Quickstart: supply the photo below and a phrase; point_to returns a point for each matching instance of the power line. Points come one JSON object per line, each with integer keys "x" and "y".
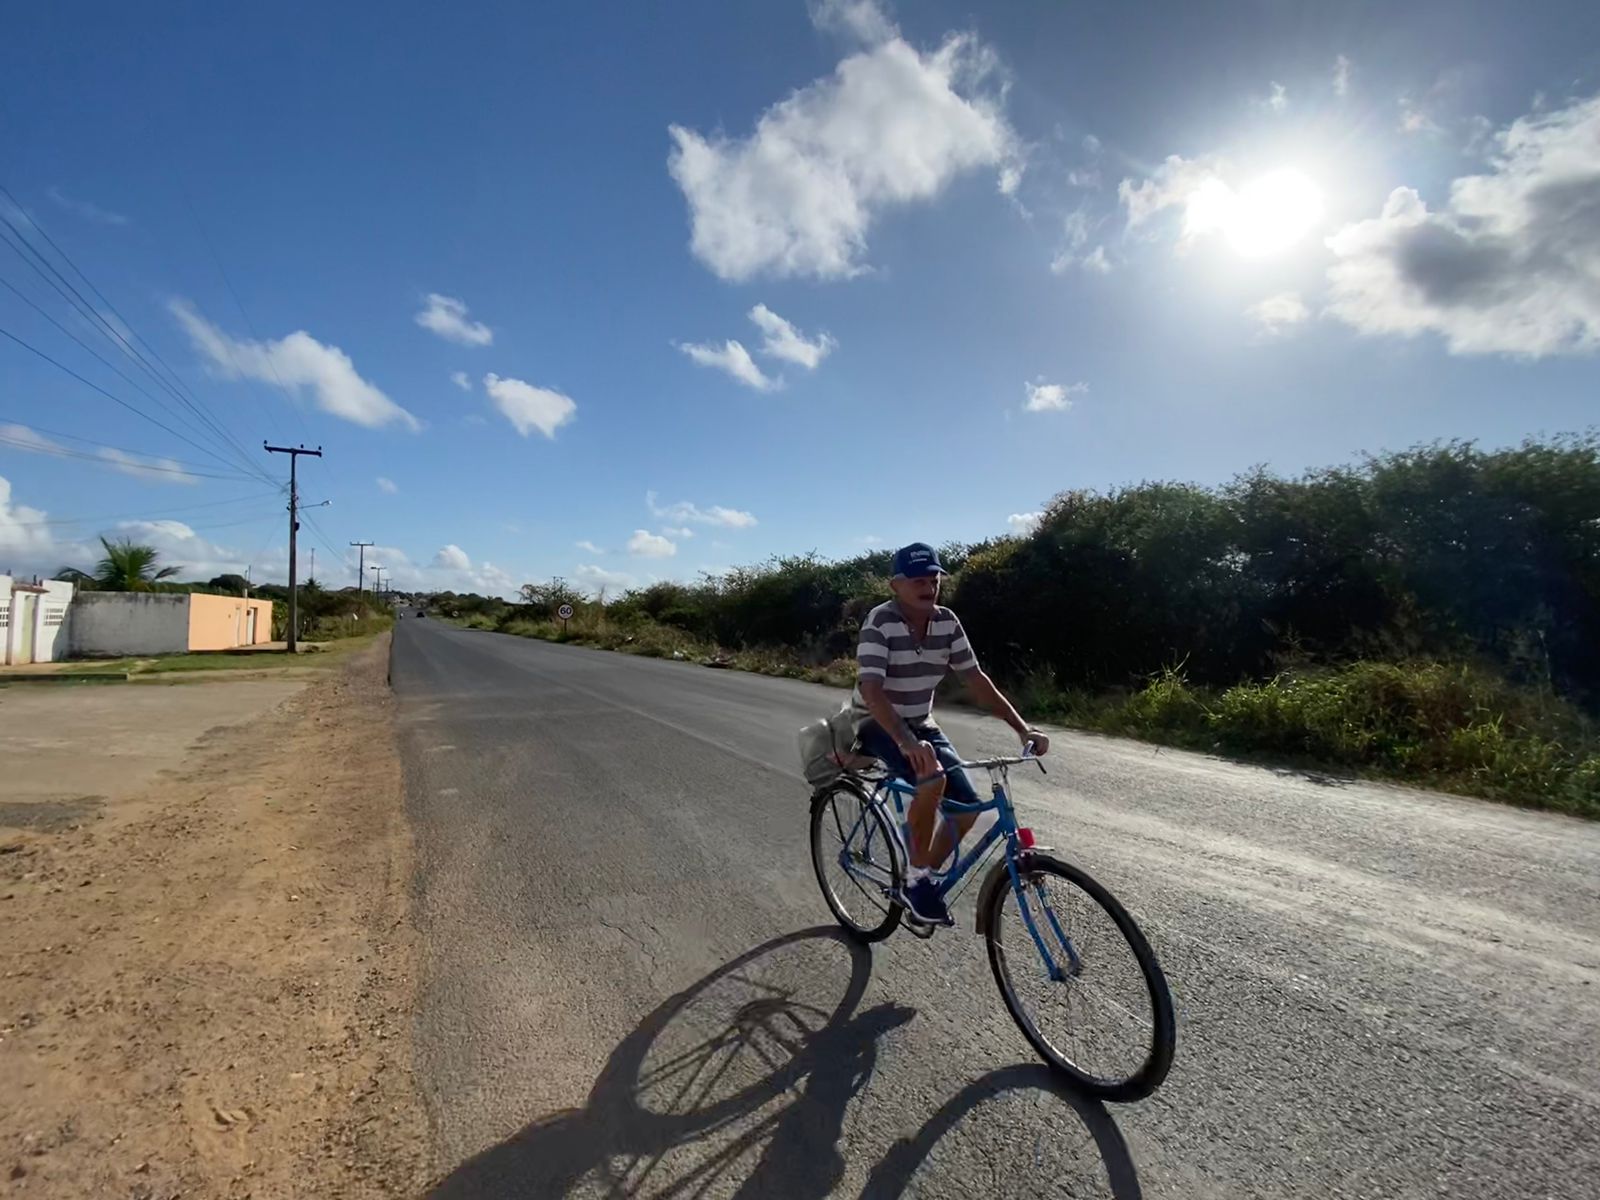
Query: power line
{"x": 131, "y": 464}
{"x": 133, "y": 383}
{"x": 169, "y": 383}
{"x": 157, "y": 512}
{"x": 248, "y": 323}
{"x": 73, "y": 437}
{"x": 139, "y": 412}
{"x": 176, "y": 412}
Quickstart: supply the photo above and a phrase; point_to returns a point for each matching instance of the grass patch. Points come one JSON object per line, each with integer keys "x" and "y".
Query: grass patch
{"x": 1442, "y": 725}
{"x": 326, "y": 655}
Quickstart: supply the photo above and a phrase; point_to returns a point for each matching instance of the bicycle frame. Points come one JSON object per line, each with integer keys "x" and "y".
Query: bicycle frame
{"x": 1017, "y": 844}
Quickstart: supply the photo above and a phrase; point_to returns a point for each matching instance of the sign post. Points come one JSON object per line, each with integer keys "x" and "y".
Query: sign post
{"x": 565, "y": 613}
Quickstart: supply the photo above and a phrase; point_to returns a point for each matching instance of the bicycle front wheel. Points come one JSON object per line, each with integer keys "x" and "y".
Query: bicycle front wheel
{"x": 1080, "y": 980}
{"x": 855, "y": 861}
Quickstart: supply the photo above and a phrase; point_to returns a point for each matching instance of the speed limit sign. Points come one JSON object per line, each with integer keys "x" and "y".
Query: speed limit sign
{"x": 565, "y": 612}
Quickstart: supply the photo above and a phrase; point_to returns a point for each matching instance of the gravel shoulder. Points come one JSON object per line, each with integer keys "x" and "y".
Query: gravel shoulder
{"x": 206, "y": 975}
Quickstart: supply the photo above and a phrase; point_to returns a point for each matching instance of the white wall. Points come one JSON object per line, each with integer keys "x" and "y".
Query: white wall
{"x": 113, "y": 624}
{"x": 31, "y": 621}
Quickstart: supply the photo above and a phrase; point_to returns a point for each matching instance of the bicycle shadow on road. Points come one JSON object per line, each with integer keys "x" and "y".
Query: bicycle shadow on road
{"x": 748, "y": 1070}
{"x": 739, "y": 1085}
{"x": 894, "y": 1175}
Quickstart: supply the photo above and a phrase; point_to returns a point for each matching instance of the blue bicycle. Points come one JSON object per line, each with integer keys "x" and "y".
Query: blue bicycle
{"x": 1076, "y": 973}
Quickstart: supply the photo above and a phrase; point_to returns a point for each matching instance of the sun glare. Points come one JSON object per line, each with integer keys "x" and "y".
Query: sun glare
{"x": 1265, "y": 216}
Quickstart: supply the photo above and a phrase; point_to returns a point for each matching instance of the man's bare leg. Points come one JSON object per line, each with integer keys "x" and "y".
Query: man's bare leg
{"x": 923, "y": 817}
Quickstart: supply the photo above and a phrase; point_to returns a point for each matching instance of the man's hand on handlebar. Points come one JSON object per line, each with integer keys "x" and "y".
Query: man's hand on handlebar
{"x": 1039, "y": 743}
{"x": 922, "y": 758}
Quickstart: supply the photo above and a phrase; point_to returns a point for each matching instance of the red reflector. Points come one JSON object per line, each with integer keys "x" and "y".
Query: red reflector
{"x": 1025, "y": 838}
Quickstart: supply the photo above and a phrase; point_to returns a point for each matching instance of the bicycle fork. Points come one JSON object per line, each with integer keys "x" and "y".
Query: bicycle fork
{"x": 1074, "y": 964}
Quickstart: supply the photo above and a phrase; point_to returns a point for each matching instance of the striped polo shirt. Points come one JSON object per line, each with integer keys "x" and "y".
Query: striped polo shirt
{"x": 910, "y": 670}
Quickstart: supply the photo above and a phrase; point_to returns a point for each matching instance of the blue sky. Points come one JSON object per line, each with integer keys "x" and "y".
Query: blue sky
{"x": 494, "y": 260}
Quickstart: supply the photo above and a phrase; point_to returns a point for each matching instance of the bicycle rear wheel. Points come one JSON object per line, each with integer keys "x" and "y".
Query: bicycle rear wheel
{"x": 855, "y": 861}
{"x": 1094, "y": 1004}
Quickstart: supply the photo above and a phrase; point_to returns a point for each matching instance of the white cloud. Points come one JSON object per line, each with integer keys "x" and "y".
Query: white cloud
{"x": 683, "y": 511}
{"x": 153, "y": 470}
{"x": 870, "y": 540}
{"x": 387, "y": 485}
{"x": 782, "y": 340}
{"x": 86, "y": 210}
{"x": 1076, "y": 232}
{"x": 1175, "y": 182}
{"x": 528, "y": 407}
{"x": 1084, "y": 177}
{"x": 1278, "y": 101}
{"x": 24, "y": 535}
{"x": 21, "y": 437}
{"x": 589, "y": 546}
{"x": 734, "y": 359}
{"x": 891, "y": 126}
{"x": 447, "y": 317}
{"x": 1341, "y": 77}
{"x": 1510, "y": 265}
{"x": 1413, "y": 119}
{"x": 452, "y": 558}
{"x": 597, "y": 578}
{"x": 859, "y": 19}
{"x": 678, "y": 531}
{"x": 1022, "y": 523}
{"x": 297, "y": 361}
{"x": 645, "y": 544}
{"x": 462, "y": 380}
{"x": 1052, "y": 397}
{"x": 1277, "y": 313}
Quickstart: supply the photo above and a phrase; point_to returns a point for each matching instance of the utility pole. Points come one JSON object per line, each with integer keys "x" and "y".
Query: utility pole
{"x": 294, "y": 453}
{"x": 312, "y": 578}
{"x": 361, "y": 566}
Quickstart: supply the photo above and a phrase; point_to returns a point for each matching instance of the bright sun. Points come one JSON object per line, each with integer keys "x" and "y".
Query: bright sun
{"x": 1265, "y": 216}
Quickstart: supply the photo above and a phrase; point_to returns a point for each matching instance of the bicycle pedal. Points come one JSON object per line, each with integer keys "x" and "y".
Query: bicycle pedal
{"x": 919, "y": 929}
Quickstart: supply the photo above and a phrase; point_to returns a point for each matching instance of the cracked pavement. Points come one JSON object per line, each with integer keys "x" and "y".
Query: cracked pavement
{"x": 628, "y": 987}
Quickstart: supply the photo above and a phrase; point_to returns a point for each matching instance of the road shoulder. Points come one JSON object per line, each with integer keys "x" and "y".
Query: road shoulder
{"x": 213, "y": 997}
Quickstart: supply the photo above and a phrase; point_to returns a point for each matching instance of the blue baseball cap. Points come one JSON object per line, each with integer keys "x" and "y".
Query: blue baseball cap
{"x": 917, "y": 561}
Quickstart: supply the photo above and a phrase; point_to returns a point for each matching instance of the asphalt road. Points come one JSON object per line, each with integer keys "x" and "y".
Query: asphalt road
{"x": 630, "y": 988}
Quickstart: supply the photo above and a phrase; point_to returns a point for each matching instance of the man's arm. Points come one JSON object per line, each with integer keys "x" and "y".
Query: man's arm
{"x": 982, "y": 689}
{"x": 918, "y": 753}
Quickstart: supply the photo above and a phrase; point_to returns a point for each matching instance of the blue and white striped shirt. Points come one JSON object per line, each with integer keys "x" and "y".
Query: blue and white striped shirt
{"x": 910, "y": 670}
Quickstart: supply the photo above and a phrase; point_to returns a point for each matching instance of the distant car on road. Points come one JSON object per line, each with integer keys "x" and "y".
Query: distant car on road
{"x": 420, "y": 613}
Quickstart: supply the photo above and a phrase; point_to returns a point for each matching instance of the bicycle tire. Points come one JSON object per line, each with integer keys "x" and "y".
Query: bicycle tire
{"x": 1133, "y": 1085}
{"x": 825, "y": 813}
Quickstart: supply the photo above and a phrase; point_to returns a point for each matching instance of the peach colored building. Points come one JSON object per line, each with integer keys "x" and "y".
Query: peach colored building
{"x": 223, "y": 622}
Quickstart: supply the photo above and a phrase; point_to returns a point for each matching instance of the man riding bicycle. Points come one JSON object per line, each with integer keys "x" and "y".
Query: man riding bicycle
{"x": 907, "y": 646}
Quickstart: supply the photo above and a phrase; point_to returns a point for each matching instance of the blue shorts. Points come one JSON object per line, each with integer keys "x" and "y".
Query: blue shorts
{"x": 874, "y": 740}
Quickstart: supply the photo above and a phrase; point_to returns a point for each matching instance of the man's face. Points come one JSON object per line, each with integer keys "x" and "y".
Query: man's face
{"x": 916, "y": 595}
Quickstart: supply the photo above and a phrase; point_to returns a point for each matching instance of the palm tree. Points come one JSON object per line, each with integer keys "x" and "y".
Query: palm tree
{"x": 129, "y": 568}
{"x": 82, "y": 580}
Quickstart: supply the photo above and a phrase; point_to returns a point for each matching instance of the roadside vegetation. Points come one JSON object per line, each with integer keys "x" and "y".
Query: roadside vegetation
{"x": 1431, "y": 616}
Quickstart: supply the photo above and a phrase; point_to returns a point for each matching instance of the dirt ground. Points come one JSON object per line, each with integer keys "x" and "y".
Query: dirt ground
{"x": 205, "y": 980}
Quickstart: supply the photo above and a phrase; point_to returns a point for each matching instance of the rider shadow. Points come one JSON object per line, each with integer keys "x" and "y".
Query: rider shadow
{"x": 740, "y": 1085}
{"x": 765, "y": 1082}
